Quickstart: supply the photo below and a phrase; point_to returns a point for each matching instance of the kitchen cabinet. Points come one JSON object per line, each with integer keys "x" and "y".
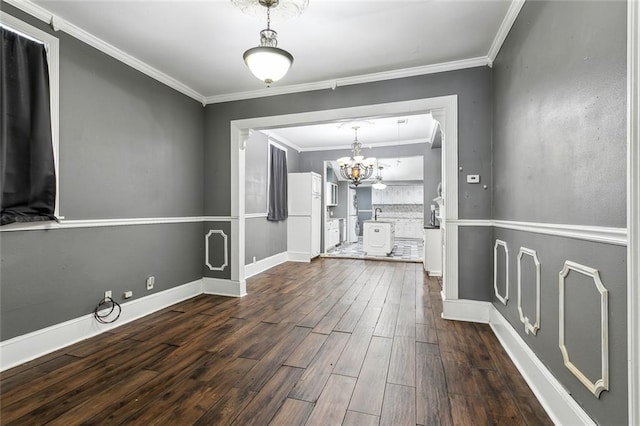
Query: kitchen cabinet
{"x": 332, "y": 233}
{"x": 433, "y": 251}
{"x": 378, "y": 237}
{"x": 403, "y": 194}
{"x": 304, "y": 221}
{"x": 331, "y": 194}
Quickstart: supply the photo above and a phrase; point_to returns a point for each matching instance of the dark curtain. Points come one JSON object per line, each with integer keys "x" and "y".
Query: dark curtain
{"x": 27, "y": 171}
{"x": 277, "y": 185}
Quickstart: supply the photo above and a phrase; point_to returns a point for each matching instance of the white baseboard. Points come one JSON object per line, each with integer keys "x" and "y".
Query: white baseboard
{"x": 29, "y": 346}
{"x": 557, "y": 402}
{"x": 262, "y": 265}
{"x": 434, "y": 273}
{"x": 559, "y": 405}
{"x": 466, "y": 310}
{"x": 223, "y": 287}
{"x": 297, "y": 256}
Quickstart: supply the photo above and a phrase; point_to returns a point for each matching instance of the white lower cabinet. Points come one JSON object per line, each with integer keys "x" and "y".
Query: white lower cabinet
{"x": 433, "y": 251}
{"x": 332, "y": 234}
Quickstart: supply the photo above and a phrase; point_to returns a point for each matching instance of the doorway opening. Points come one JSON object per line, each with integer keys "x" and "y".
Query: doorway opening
{"x": 444, "y": 108}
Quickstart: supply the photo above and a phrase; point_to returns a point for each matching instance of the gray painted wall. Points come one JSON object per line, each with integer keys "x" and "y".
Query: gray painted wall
{"x": 475, "y": 265}
{"x": 49, "y": 277}
{"x": 560, "y": 114}
{"x": 263, "y": 238}
{"x": 583, "y": 323}
{"x": 129, "y": 147}
{"x": 473, "y": 87}
{"x": 256, "y": 169}
{"x": 217, "y": 249}
{"x": 559, "y": 157}
{"x": 342, "y": 209}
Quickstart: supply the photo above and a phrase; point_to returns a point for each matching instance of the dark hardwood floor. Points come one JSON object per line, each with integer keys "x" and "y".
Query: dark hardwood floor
{"x": 336, "y": 341}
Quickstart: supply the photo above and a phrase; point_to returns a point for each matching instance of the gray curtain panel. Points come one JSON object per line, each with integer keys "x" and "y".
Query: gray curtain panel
{"x": 27, "y": 171}
{"x": 277, "y": 185}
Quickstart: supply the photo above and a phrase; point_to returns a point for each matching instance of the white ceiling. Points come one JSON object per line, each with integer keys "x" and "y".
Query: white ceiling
{"x": 199, "y": 43}
{"x": 196, "y": 46}
{"x": 372, "y": 132}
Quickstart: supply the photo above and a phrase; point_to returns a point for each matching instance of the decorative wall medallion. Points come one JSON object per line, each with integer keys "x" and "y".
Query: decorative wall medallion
{"x": 602, "y": 383}
{"x": 501, "y": 298}
{"x": 207, "y": 240}
{"x": 528, "y": 327}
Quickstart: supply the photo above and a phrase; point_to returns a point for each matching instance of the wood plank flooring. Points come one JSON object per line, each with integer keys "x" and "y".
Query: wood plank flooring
{"x": 336, "y": 341}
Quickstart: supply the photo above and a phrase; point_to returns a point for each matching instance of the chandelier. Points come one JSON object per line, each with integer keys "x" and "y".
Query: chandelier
{"x": 268, "y": 62}
{"x": 356, "y": 168}
{"x": 378, "y": 184}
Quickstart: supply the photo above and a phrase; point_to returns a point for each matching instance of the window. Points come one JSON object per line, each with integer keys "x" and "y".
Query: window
{"x": 25, "y": 30}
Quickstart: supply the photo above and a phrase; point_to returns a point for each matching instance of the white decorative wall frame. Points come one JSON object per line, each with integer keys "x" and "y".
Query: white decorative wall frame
{"x": 225, "y": 250}
{"x": 528, "y": 327}
{"x": 501, "y": 298}
{"x": 602, "y": 383}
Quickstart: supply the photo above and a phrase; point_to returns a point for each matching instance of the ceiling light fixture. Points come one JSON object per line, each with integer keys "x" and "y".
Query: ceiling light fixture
{"x": 268, "y": 62}
{"x": 378, "y": 184}
{"x": 356, "y": 168}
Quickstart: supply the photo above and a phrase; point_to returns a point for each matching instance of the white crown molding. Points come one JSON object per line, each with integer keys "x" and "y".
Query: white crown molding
{"x": 281, "y": 140}
{"x": 598, "y": 234}
{"x": 101, "y": 223}
{"x": 225, "y": 250}
{"x": 347, "y": 81}
{"x": 27, "y": 347}
{"x": 367, "y": 146}
{"x": 503, "y": 31}
{"x": 528, "y": 327}
{"x": 59, "y": 24}
{"x": 602, "y": 383}
{"x": 505, "y": 298}
{"x": 633, "y": 208}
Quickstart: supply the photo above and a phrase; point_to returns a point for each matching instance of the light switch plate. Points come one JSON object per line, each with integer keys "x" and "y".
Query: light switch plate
{"x": 473, "y": 178}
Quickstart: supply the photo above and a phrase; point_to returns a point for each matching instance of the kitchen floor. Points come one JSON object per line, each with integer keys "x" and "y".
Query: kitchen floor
{"x": 404, "y": 250}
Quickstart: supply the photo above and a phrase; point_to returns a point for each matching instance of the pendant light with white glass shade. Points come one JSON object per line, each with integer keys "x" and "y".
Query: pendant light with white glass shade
{"x": 378, "y": 184}
{"x": 267, "y": 61}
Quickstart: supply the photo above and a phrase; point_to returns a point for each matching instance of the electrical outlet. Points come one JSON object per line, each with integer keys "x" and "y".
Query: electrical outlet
{"x": 150, "y": 282}
{"x": 128, "y": 294}
{"x": 107, "y": 294}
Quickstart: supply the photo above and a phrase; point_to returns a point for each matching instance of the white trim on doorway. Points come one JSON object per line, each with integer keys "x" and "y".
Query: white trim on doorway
{"x": 448, "y": 104}
{"x": 633, "y": 208}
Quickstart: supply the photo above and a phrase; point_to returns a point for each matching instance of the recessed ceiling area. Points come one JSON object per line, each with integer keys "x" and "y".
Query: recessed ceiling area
{"x": 199, "y": 44}
{"x": 372, "y": 132}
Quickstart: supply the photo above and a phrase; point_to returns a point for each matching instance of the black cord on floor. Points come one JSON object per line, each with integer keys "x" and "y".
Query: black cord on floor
{"x": 103, "y": 305}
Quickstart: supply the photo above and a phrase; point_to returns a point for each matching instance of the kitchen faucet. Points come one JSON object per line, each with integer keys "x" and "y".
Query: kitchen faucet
{"x": 378, "y": 209}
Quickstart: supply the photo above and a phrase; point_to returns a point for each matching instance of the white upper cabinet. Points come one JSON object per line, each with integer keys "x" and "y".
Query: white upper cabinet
{"x": 405, "y": 194}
